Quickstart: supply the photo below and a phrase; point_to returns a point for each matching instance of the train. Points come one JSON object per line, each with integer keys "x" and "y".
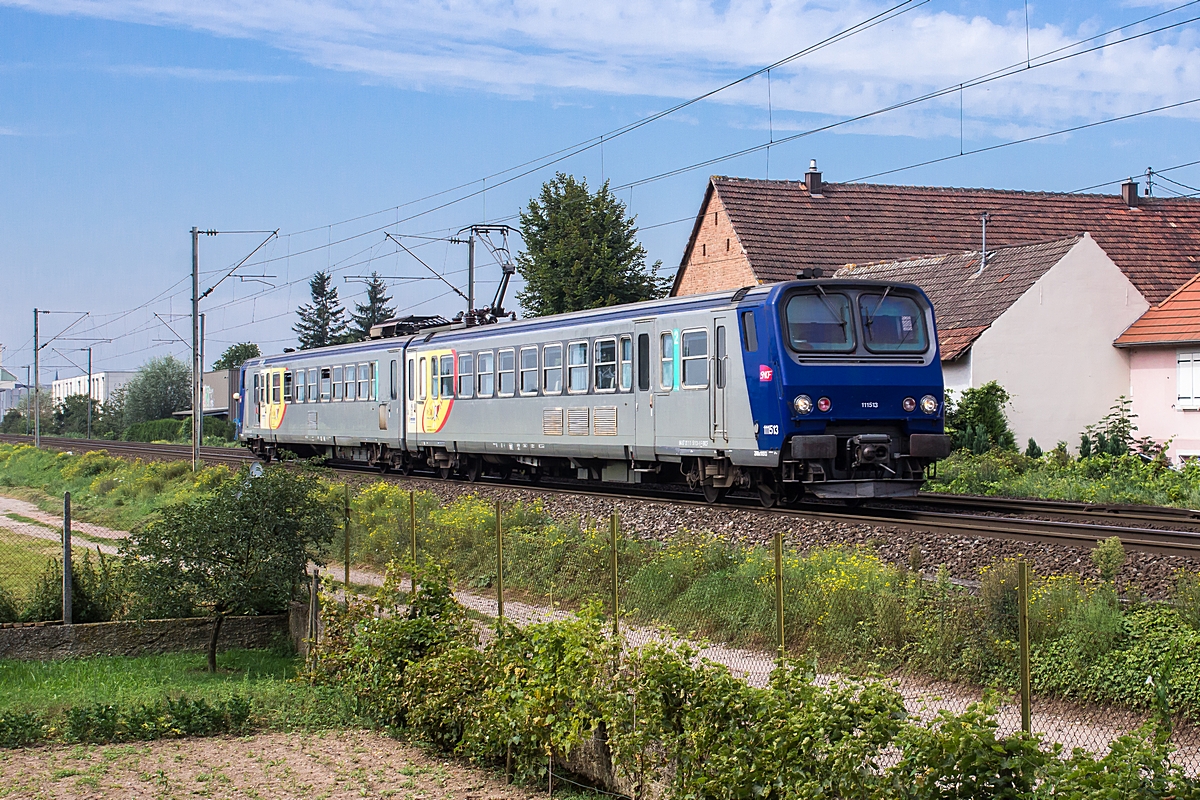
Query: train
{"x": 821, "y": 387}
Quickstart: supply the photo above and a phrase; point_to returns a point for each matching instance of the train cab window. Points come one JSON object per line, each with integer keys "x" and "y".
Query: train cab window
{"x": 422, "y": 372}
{"x": 606, "y": 365}
{"x": 819, "y": 323}
{"x": 325, "y": 384}
{"x": 299, "y": 391}
{"x": 892, "y": 324}
{"x": 695, "y": 359}
{"x": 722, "y": 357}
{"x": 577, "y": 367}
{"x": 667, "y": 373}
{"x": 349, "y": 373}
{"x": 337, "y": 383}
{"x": 312, "y": 386}
{"x": 487, "y": 379}
{"x": 506, "y": 370}
{"x": 749, "y": 332}
{"x": 626, "y": 363}
{"x": 643, "y": 362}
{"x": 552, "y": 369}
{"x": 447, "y": 379}
{"x": 364, "y": 382}
{"x": 466, "y": 375}
{"x": 529, "y": 370}
{"x": 412, "y": 379}
{"x": 392, "y": 380}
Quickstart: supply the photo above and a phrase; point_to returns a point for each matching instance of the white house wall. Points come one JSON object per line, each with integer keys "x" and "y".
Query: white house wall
{"x": 1052, "y": 349}
{"x": 956, "y": 374}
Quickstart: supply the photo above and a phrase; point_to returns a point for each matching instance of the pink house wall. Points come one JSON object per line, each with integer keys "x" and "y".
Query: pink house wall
{"x": 1152, "y": 378}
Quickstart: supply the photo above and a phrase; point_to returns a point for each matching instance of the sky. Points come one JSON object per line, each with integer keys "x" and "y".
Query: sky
{"x": 125, "y": 123}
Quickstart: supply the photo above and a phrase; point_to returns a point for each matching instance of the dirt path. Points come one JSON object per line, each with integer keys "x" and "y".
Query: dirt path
{"x": 50, "y": 527}
{"x": 329, "y": 765}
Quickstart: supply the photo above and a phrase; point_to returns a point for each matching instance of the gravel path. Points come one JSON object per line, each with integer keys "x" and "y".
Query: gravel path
{"x": 50, "y": 527}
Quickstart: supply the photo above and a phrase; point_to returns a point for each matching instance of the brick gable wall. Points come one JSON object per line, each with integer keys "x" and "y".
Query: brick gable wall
{"x": 717, "y": 260}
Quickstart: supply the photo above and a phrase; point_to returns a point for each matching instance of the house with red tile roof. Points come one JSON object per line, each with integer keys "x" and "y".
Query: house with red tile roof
{"x": 1164, "y": 370}
{"x": 1064, "y": 275}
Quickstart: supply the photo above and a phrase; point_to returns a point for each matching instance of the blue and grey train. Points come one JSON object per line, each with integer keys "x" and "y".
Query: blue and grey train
{"x": 825, "y": 387}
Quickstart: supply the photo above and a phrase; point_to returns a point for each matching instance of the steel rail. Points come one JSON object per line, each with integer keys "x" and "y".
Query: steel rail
{"x": 1078, "y": 534}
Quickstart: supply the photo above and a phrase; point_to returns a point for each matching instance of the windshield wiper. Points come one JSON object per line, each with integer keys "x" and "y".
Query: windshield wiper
{"x": 831, "y": 309}
{"x": 879, "y": 305}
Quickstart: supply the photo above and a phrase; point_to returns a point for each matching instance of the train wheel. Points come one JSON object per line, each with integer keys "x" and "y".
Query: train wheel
{"x": 505, "y": 471}
{"x": 767, "y": 496}
{"x": 713, "y": 494}
{"x": 406, "y": 467}
{"x": 445, "y": 472}
{"x": 474, "y": 469}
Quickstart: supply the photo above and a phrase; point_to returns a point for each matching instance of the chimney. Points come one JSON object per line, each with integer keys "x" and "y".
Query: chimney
{"x": 812, "y": 180}
{"x": 1129, "y": 193}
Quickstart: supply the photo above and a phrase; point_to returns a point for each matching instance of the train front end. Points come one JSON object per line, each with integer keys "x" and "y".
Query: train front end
{"x": 852, "y": 398}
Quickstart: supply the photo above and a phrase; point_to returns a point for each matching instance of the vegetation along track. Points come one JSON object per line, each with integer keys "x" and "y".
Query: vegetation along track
{"x": 1176, "y": 531}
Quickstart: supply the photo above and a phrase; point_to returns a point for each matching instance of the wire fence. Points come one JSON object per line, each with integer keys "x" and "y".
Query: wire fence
{"x": 31, "y": 567}
{"x": 841, "y": 610}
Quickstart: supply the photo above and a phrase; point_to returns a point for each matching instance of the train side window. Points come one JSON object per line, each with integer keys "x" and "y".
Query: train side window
{"x": 487, "y": 379}
{"x": 447, "y": 376}
{"x": 667, "y": 356}
{"x": 392, "y": 380}
{"x": 695, "y": 359}
{"x": 349, "y": 375}
{"x": 529, "y": 370}
{"x": 506, "y": 369}
{"x": 312, "y": 386}
{"x": 364, "y": 382}
{"x": 289, "y": 386}
{"x": 626, "y": 363}
{"x": 299, "y": 390}
{"x": 434, "y": 383}
{"x": 422, "y": 371}
{"x": 643, "y": 362}
{"x": 257, "y": 390}
{"x": 721, "y": 357}
{"x": 466, "y": 375}
{"x": 606, "y": 365}
{"x": 337, "y": 383}
{"x": 749, "y": 332}
{"x": 275, "y": 376}
{"x": 325, "y": 384}
{"x": 552, "y": 369}
{"x": 577, "y": 367}
{"x": 412, "y": 379}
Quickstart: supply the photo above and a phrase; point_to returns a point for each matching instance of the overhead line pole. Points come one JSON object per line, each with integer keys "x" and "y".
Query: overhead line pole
{"x": 89, "y": 393}
{"x": 37, "y": 417}
{"x": 197, "y": 374}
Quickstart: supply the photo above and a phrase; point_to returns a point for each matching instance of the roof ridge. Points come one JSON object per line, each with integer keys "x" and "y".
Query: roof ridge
{"x": 965, "y": 253}
{"x": 1171, "y": 296}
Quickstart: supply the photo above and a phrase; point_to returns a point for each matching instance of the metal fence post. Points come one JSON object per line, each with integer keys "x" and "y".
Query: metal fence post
{"x": 314, "y": 611}
{"x": 779, "y": 635}
{"x": 614, "y": 531}
{"x": 346, "y": 574}
{"x": 66, "y": 540}
{"x": 1023, "y": 625}
{"x": 412, "y": 533}
{"x": 499, "y": 566}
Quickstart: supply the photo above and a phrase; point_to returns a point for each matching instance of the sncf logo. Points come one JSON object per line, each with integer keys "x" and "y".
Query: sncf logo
{"x": 765, "y": 373}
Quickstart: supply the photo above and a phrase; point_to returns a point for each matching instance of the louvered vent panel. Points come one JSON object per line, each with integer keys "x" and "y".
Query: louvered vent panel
{"x": 604, "y": 420}
{"x": 552, "y": 421}
{"x": 577, "y": 421}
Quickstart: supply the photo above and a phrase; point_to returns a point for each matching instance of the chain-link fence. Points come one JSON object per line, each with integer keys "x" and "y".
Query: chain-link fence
{"x": 841, "y": 609}
{"x": 31, "y": 566}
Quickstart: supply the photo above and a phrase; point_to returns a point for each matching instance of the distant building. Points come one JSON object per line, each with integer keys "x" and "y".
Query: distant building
{"x": 217, "y": 397}
{"x": 103, "y": 386}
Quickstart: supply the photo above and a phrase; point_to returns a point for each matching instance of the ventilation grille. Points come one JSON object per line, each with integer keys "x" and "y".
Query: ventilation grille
{"x": 577, "y": 421}
{"x": 552, "y": 421}
{"x": 604, "y": 420}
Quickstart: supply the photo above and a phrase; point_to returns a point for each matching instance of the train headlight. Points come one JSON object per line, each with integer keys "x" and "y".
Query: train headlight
{"x": 929, "y": 404}
{"x": 824, "y": 404}
{"x": 803, "y": 404}
{"x": 909, "y": 404}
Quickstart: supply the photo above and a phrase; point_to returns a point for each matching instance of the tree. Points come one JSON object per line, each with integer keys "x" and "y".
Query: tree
{"x": 243, "y": 549}
{"x": 71, "y": 415}
{"x": 237, "y": 354}
{"x": 581, "y": 251}
{"x": 373, "y": 312}
{"x": 14, "y": 422}
{"x": 977, "y": 421}
{"x": 160, "y": 388}
{"x": 324, "y": 321}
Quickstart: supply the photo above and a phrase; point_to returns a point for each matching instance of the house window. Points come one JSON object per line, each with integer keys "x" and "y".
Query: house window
{"x": 1188, "y": 364}
{"x": 577, "y": 367}
{"x": 466, "y": 375}
{"x": 529, "y": 370}
{"x": 695, "y": 359}
{"x": 626, "y": 363}
{"x": 487, "y": 380}
{"x": 506, "y": 369}
{"x": 552, "y": 369}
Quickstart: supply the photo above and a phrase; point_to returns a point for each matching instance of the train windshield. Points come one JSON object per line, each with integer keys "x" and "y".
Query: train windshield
{"x": 892, "y": 324}
{"x": 820, "y": 322}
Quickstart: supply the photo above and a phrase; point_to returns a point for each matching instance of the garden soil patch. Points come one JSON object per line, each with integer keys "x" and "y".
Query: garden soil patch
{"x": 341, "y": 764}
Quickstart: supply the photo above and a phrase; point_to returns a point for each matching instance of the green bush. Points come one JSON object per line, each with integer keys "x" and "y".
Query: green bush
{"x": 158, "y": 430}
{"x": 20, "y": 729}
{"x": 98, "y": 592}
{"x": 182, "y": 716}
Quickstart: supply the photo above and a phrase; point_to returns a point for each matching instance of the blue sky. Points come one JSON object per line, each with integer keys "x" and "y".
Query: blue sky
{"x": 125, "y": 123}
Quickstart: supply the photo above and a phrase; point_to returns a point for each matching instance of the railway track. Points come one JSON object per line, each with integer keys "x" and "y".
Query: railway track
{"x": 1176, "y": 531}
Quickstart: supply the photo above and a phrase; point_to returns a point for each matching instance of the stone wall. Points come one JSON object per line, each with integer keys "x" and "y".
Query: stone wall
{"x": 133, "y": 638}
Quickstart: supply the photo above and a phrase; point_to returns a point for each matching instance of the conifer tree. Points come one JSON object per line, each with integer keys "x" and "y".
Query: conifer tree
{"x": 581, "y": 251}
{"x": 374, "y": 311}
{"x": 324, "y": 321}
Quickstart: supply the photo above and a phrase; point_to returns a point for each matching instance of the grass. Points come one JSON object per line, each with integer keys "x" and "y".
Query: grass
{"x": 268, "y": 679}
{"x": 22, "y": 561}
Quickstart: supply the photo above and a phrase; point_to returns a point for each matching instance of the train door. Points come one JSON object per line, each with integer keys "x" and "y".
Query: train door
{"x": 411, "y": 405}
{"x": 643, "y": 391}
{"x": 720, "y": 430}
{"x": 274, "y": 406}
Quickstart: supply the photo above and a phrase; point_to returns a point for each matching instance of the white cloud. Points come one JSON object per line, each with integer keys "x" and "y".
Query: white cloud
{"x": 677, "y": 48}
{"x": 195, "y": 74}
